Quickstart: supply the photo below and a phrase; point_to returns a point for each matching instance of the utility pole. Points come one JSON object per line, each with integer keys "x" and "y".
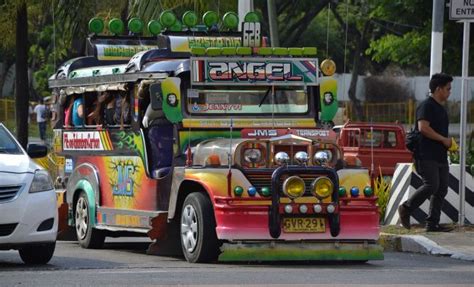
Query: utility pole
{"x": 437, "y": 37}
{"x": 275, "y": 41}
{"x": 245, "y": 6}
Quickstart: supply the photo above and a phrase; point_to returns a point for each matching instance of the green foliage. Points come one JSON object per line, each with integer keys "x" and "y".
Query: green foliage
{"x": 382, "y": 186}
{"x": 410, "y": 49}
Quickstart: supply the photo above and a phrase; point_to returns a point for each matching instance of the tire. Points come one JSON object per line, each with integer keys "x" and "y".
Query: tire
{"x": 37, "y": 254}
{"x": 87, "y": 236}
{"x": 198, "y": 229}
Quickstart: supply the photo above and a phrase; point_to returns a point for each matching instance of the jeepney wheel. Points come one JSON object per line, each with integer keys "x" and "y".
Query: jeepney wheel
{"x": 334, "y": 224}
{"x": 198, "y": 229}
{"x": 87, "y": 236}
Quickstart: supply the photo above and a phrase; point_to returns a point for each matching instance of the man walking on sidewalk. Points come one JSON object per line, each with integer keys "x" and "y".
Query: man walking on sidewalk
{"x": 40, "y": 111}
{"x": 431, "y": 158}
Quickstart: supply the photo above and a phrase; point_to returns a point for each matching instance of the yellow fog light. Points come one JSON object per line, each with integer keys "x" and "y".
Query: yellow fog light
{"x": 322, "y": 187}
{"x": 293, "y": 187}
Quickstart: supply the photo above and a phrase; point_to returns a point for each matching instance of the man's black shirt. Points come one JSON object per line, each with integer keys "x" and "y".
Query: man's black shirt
{"x": 430, "y": 110}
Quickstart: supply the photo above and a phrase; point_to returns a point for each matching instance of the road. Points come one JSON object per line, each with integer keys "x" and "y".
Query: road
{"x": 123, "y": 262}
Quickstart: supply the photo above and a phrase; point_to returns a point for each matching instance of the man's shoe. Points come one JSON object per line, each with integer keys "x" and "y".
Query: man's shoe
{"x": 404, "y": 216}
{"x": 438, "y": 228}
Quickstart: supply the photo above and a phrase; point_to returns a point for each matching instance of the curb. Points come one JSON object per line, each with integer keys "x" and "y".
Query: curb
{"x": 418, "y": 244}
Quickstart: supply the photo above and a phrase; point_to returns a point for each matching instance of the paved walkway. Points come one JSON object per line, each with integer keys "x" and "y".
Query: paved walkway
{"x": 458, "y": 244}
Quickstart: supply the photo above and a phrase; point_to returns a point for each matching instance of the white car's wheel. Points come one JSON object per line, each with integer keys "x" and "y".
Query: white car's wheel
{"x": 37, "y": 254}
{"x": 87, "y": 236}
{"x": 198, "y": 229}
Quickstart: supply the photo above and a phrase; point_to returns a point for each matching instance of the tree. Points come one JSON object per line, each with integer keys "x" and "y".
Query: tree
{"x": 22, "y": 93}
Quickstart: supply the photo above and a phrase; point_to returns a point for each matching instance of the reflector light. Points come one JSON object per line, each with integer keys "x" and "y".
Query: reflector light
{"x": 368, "y": 191}
{"x": 252, "y": 191}
{"x": 317, "y": 208}
{"x": 331, "y": 208}
{"x": 342, "y": 191}
{"x": 238, "y": 190}
{"x": 265, "y": 191}
{"x": 303, "y": 208}
{"x": 288, "y": 208}
{"x": 354, "y": 191}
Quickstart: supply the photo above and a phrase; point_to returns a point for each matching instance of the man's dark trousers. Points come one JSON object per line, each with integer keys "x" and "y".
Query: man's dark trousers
{"x": 435, "y": 178}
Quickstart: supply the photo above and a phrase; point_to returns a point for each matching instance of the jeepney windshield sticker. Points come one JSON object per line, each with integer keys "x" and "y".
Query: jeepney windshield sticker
{"x": 112, "y": 52}
{"x": 82, "y": 141}
{"x": 246, "y": 101}
{"x": 184, "y": 44}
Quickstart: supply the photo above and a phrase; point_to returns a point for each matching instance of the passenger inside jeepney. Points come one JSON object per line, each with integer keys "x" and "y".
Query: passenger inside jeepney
{"x": 78, "y": 111}
{"x": 104, "y": 110}
{"x": 159, "y": 131}
{"x": 122, "y": 109}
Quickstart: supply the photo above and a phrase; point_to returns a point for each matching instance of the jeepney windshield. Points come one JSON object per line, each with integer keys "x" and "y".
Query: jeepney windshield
{"x": 247, "y": 100}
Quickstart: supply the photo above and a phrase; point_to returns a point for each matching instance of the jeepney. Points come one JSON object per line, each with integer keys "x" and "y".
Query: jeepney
{"x": 251, "y": 177}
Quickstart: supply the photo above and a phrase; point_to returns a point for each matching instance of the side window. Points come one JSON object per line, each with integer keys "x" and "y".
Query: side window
{"x": 389, "y": 139}
{"x": 371, "y": 138}
{"x": 352, "y": 138}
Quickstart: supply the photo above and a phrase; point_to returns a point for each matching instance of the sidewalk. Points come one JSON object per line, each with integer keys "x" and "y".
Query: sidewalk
{"x": 457, "y": 244}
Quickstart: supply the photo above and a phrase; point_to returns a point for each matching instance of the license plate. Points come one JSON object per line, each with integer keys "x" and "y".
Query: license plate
{"x": 304, "y": 224}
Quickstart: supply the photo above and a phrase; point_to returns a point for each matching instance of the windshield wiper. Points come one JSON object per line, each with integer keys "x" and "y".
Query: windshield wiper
{"x": 264, "y": 97}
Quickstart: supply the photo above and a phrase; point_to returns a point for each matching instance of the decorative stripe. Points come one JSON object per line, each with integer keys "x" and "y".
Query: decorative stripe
{"x": 405, "y": 183}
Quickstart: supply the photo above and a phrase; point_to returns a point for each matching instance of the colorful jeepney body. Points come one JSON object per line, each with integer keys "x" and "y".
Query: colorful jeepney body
{"x": 252, "y": 178}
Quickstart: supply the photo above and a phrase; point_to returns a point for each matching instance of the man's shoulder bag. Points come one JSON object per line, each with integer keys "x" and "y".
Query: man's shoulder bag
{"x": 412, "y": 140}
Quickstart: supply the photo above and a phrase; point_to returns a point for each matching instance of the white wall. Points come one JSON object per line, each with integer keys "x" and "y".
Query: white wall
{"x": 419, "y": 85}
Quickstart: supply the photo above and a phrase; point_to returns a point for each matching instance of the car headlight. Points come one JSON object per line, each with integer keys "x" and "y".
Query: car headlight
{"x": 322, "y": 187}
{"x": 282, "y": 158}
{"x": 322, "y": 157}
{"x": 293, "y": 187}
{"x": 301, "y": 157}
{"x": 41, "y": 182}
{"x": 252, "y": 155}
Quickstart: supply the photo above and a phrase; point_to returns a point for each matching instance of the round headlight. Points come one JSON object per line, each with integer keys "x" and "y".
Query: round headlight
{"x": 301, "y": 157}
{"x": 282, "y": 158}
{"x": 252, "y": 155}
{"x": 322, "y": 157}
{"x": 322, "y": 187}
{"x": 293, "y": 187}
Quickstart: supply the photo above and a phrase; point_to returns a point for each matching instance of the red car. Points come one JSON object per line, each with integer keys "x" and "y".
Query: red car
{"x": 379, "y": 146}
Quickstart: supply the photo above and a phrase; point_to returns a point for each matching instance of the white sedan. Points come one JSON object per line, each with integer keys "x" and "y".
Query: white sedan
{"x": 28, "y": 212}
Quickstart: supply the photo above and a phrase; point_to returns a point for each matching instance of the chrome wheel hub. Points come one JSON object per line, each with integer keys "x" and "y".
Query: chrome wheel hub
{"x": 82, "y": 218}
{"x": 189, "y": 229}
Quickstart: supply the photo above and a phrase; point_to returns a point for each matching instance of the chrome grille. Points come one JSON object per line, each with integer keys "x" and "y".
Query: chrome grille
{"x": 9, "y": 192}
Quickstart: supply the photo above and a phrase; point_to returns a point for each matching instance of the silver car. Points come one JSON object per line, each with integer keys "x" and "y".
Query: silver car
{"x": 28, "y": 212}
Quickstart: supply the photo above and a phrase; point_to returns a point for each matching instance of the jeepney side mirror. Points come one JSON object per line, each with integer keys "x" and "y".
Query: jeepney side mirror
{"x": 155, "y": 97}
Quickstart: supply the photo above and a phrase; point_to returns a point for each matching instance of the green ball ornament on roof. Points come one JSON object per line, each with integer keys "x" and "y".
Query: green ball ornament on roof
{"x": 230, "y": 20}
{"x": 96, "y": 25}
{"x": 154, "y": 27}
{"x": 210, "y": 18}
{"x": 135, "y": 25}
{"x": 116, "y": 26}
{"x": 167, "y": 18}
{"x": 190, "y": 19}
